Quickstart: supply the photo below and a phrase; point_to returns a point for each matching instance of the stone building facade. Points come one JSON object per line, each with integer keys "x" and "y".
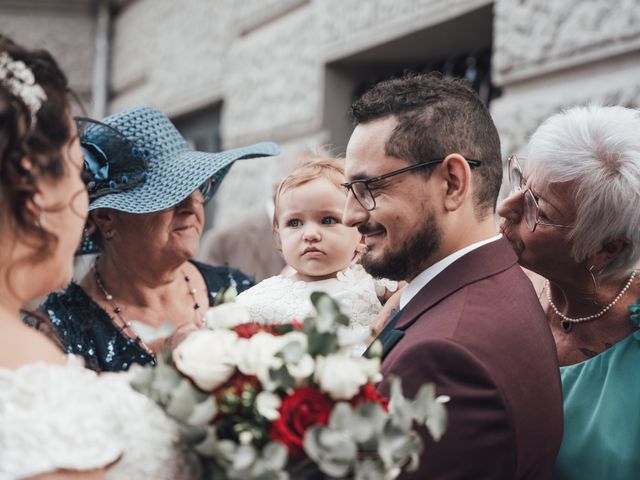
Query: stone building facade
{"x": 233, "y": 72}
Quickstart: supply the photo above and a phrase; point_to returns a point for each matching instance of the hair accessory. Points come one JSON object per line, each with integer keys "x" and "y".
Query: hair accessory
{"x": 112, "y": 163}
{"x": 568, "y": 322}
{"x": 108, "y": 235}
{"x": 16, "y": 77}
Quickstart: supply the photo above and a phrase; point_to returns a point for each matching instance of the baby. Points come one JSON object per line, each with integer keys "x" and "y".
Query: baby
{"x": 321, "y": 250}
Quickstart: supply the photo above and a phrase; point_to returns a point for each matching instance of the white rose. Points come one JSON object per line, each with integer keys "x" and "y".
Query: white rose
{"x": 227, "y": 315}
{"x": 302, "y": 369}
{"x": 256, "y": 356}
{"x": 341, "y": 374}
{"x": 267, "y": 404}
{"x": 207, "y": 357}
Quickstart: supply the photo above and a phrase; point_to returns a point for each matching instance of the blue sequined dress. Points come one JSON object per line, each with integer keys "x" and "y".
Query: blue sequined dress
{"x": 84, "y": 328}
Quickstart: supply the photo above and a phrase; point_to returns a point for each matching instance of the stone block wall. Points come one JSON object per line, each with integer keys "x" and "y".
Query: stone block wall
{"x": 551, "y": 55}
{"x": 66, "y": 28}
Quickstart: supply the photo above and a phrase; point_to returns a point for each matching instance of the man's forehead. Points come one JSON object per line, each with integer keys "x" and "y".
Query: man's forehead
{"x": 366, "y": 149}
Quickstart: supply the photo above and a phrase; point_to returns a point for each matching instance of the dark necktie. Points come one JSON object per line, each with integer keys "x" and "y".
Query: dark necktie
{"x": 389, "y": 336}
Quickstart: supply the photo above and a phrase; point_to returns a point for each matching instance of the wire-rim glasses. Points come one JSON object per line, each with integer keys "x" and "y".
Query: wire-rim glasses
{"x": 530, "y": 208}
{"x": 362, "y": 192}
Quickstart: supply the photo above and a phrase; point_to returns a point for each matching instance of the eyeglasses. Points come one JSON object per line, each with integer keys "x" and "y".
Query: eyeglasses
{"x": 531, "y": 208}
{"x": 207, "y": 189}
{"x": 363, "y": 192}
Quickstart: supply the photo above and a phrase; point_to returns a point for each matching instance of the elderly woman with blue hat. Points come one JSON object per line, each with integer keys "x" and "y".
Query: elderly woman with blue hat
{"x": 147, "y": 190}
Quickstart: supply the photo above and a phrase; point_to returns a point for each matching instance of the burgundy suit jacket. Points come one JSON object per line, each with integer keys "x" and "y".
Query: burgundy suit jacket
{"x": 478, "y": 331}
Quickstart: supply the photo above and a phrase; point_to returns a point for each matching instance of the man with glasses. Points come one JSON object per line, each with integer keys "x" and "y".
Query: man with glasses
{"x": 424, "y": 169}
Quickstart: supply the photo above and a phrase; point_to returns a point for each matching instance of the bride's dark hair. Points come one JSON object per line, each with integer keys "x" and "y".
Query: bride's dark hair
{"x": 31, "y": 148}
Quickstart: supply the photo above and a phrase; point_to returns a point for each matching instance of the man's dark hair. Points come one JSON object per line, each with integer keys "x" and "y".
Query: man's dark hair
{"x": 437, "y": 117}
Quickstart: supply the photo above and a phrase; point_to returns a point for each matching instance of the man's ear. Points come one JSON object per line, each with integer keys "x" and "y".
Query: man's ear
{"x": 607, "y": 254}
{"x": 457, "y": 176}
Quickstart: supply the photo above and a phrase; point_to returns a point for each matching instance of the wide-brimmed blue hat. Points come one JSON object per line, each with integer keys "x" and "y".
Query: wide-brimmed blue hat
{"x": 136, "y": 161}
{"x": 172, "y": 170}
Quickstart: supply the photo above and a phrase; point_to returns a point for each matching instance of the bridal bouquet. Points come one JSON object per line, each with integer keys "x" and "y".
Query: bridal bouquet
{"x": 288, "y": 401}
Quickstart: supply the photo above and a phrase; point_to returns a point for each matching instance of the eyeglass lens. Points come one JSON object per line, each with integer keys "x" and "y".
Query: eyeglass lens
{"x": 206, "y": 189}
{"x": 363, "y": 195}
{"x": 530, "y": 210}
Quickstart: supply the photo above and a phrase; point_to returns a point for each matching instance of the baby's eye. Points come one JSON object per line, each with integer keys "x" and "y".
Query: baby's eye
{"x": 294, "y": 222}
{"x": 329, "y": 220}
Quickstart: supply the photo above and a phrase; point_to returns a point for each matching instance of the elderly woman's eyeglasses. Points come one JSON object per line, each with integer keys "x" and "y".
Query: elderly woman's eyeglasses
{"x": 362, "y": 189}
{"x": 207, "y": 190}
{"x": 531, "y": 208}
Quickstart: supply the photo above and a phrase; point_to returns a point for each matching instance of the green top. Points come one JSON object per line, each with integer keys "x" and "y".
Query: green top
{"x": 602, "y": 415}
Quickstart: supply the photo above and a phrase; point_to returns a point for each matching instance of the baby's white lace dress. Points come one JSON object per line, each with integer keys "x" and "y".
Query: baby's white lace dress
{"x": 282, "y": 299}
{"x": 58, "y": 417}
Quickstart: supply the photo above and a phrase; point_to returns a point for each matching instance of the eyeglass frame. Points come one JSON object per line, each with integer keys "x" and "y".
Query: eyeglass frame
{"x": 513, "y": 165}
{"x": 367, "y": 181}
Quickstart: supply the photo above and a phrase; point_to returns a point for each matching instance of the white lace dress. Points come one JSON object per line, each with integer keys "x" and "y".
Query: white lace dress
{"x": 282, "y": 299}
{"x": 57, "y": 417}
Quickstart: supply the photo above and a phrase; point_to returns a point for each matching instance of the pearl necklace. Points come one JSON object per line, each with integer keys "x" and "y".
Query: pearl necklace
{"x": 568, "y": 322}
{"x": 126, "y": 326}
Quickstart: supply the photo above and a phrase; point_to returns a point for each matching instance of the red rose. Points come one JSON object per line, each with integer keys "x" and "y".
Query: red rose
{"x": 248, "y": 330}
{"x": 304, "y": 408}
{"x": 368, "y": 393}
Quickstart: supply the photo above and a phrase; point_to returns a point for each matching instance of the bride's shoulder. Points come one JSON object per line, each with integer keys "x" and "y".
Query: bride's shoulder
{"x": 66, "y": 404}
{"x": 24, "y": 345}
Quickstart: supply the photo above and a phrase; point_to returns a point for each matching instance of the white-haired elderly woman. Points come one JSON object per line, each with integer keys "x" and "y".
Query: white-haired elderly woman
{"x": 573, "y": 217}
{"x": 147, "y": 191}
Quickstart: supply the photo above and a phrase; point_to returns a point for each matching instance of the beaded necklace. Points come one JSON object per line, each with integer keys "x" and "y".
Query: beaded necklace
{"x": 568, "y": 322}
{"x": 125, "y": 326}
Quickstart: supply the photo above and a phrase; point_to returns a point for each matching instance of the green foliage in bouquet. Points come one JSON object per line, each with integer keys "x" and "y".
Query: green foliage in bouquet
{"x": 287, "y": 401}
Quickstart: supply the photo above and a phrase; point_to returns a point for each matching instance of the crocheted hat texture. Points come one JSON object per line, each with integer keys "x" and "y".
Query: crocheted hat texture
{"x": 174, "y": 171}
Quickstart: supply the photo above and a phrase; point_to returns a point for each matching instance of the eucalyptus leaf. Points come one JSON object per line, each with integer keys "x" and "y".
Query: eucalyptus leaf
{"x": 209, "y": 446}
{"x": 193, "y": 435}
{"x": 369, "y": 469}
{"x": 244, "y": 457}
{"x": 281, "y": 378}
{"x": 334, "y": 452}
{"x": 165, "y": 380}
{"x": 342, "y": 417}
{"x": 430, "y": 411}
{"x": 182, "y": 401}
{"x": 141, "y": 378}
{"x": 322, "y": 343}
{"x": 401, "y": 409}
{"x": 370, "y": 423}
{"x": 203, "y": 412}
{"x": 395, "y": 445}
{"x": 275, "y": 455}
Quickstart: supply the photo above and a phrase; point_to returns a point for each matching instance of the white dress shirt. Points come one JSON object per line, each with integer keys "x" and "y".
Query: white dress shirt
{"x": 430, "y": 273}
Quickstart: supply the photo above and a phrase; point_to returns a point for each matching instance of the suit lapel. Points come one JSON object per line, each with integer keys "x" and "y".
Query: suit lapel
{"x": 485, "y": 261}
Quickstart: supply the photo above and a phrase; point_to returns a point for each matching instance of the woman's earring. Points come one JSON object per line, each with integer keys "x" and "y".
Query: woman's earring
{"x": 41, "y": 220}
{"x": 595, "y": 285}
{"x": 108, "y": 235}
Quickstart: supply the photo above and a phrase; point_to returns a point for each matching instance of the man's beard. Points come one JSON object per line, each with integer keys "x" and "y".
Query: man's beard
{"x": 406, "y": 262}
